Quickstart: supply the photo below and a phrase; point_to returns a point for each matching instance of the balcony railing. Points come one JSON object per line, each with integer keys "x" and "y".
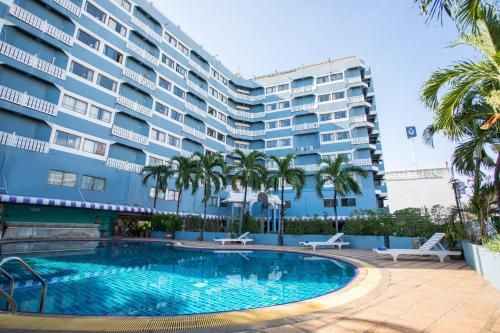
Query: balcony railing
{"x": 144, "y": 27}
{"x": 304, "y": 107}
{"x": 239, "y": 131}
{"x": 358, "y": 119}
{"x": 305, "y": 149}
{"x": 31, "y": 60}
{"x": 194, "y": 132}
{"x": 40, "y": 24}
{"x": 355, "y": 81}
{"x": 124, "y": 165}
{"x": 245, "y": 97}
{"x": 129, "y": 135}
{"x": 356, "y": 99}
{"x": 362, "y": 162}
{"x": 199, "y": 68}
{"x": 305, "y": 126}
{"x": 360, "y": 140}
{"x": 305, "y": 167}
{"x": 197, "y": 88}
{"x": 70, "y": 6}
{"x": 143, "y": 53}
{"x": 302, "y": 90}
{"x": 139, "y": 78}
{"x": 245, "y": 114}
{"x": 196, "y": 109}
{"x": 185, "y": 153}
{"x": 13, "y": 140}
{"x": 134, "y": 106}
{"x": 31, "y": 102}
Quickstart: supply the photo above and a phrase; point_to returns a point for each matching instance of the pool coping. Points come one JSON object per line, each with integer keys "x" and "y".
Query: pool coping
{"x": 368, "y": 280}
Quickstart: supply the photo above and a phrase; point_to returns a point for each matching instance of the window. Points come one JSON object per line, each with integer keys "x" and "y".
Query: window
{"x": 218, "y": 76}
{"x": 284, "y": 105}
{"x": 322, "y": 79}
{"x": 161, "y": 193}
{"x": 283, "y": 87}
{"x": 172, "y": 195}
{"x": 158, "y": 135}
{"x": 179, "y": 92}
{"x": 100, "y": 114}
{"x": 213, "y": 201}
{"x": 348, "y": 202}
{"x": 82, "y": 71}
{"x": 211, "y": 132}
{"x": 87, "y": 39}
{"x": 215, "y": 93}
{"x": 285, "y": 142}
{"x": 95, "y": 12}
{"x": 94, "y": 147}
{"x": 343, "y": 135}
{"x": 153, "y": 161}
{"x": 183, "y": 49}
{"x": 271, "y": 107}
{"x": 113, "y": 54}
{"x": 177, "y": 116}
{"x": 160, "y": 108}
{"x": 91, "y": 183}
{"x": 174, "y": 141}
{"x": 325, "y": 117}
{"x": 338, "y": 95}
{"x": 165, "y": 84}
{"x": 74, "y": 104}
{"x": 167, "y": 61}
{"x": 170, "y": 39}
{"x": 340, "y": 114}
{"x": 336, "y": 76}
{"x": 61, "y": 178}
{"x": 288, "y": 204}
{"x": 106, "y": 82}
{"x": 272, "y": 144}
{"x": 119, "y": 28}
{"x": 181, "y": 70}
{"x": 327, "y": 137}
{"x": 324, "y": 98}
{"x": 285, "y": 122}
{"x": 125, "y": 4}
{"x": 67, "y": 140}
{"x": 272, "y": 124}
{"x": 271, "y": 90}
{"x": 328, "y": 202}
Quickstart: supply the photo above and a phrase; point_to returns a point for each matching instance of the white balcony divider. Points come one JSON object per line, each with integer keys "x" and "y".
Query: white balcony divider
{"x": 123, "y": 165}
{"x": 129, "y": 135}
{"x": 246, "y": 114}
{"x": 305, "y": 126}
{"x": 134, "y": 106}
{"x": 14, "y": 140}
{"x": 304, "y": 107}
{"x": 70, "y": 6}
{"x": 193, "y": 132}
{"x": 139, "y": 78}
{"x": 362, "y": 162}
{"x": 40, "y": 24}
{"x": 197, "y": 88}
{"x": 360, "y": 140}
{"x": 199, "y": 68}
{"x": 31, "y": 60}
{"x": 143, "y": 53}
{"x": 303, "y": 89}
{"x": 31, "y": 102}
{"x": 196, "y": 109}
{"x": 144, "y": 27}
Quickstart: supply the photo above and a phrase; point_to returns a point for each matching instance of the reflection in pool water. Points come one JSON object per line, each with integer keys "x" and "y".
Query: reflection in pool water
{"x": 155, "y": 279}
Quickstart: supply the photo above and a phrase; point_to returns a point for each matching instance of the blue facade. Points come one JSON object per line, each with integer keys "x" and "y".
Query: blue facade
{"x": 91, "y": 91}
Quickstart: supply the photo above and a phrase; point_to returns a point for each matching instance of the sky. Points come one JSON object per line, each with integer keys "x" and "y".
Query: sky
{"x": 258, "y": 37}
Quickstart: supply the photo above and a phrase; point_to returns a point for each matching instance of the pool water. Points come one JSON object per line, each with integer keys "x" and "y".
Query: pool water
{"x": 157, "y": 279}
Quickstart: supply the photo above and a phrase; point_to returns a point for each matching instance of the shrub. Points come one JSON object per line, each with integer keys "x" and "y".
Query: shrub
{"x": 493, "y": 244}
{"x": 250, "y": 224}
{"x": 309, "y": 226}
{"x": 166, "y": 222}
{"x": 193, "y": 223}
{"x": 411, "y": 222}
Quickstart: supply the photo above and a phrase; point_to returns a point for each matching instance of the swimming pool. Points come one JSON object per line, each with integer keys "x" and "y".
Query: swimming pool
{"x": 157, "y": 279}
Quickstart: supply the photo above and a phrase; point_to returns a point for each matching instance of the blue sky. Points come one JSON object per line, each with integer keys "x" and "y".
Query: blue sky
{"x": 262, "y": 36}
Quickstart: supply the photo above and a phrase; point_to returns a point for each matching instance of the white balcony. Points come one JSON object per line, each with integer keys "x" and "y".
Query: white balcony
{"x": 31, "y": 60}
{"x": 355, "y": 81}
{"x": 246, "y": 97}
{"x": 185, "y": 153}
{"x": 245, "y": 132}
{"x": 194, "y": 132}
{"x": 362, "y": 162}
{"x": 70, "y": 6}
{"x": 309, "y": 167}
{"x": 196, "y": 109}
{"x": 354, "y": 101}
{"x": 305, "y": 126}
{"x": 129, "y": 135}
{"x": 13, "y": 140}
{"x": 360, "y": 121}
{"x": 31, "y": 102}
{"x": 144, "y": 27}
{"x": 124, "y": 165}
{"x": 143, "y": 53}
{"x": 199, "y": 68}
{"x": 360, "y": 140}
{"x": 139, "y": 78}
{"x": 197, "y": 88}
{"x": 42, "y": 25}
{"x": 304, "y": 107}
{"x": 134, "y": 106}
{"x": 302, "y": 90}
{"x": 245, "y": 114}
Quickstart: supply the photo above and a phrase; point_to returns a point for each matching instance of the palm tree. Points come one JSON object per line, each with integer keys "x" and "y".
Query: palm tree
{"x": 482, "y": 205}
{"x": 160, "y": 173}
{"x": 183, "y": 172}
{"x": 464, "y": 12}
{"x": 286, "y": 173}
{"x": 341, "y": 175}
{"x": 247, "y": 171}
{"x": 210, "y": 173}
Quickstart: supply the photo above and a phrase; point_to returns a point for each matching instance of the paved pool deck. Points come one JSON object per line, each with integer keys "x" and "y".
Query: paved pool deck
{"x": 413, "y": 295}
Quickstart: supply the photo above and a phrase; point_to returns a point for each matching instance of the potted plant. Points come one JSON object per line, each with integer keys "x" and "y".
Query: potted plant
{"x": 144, "y": 227}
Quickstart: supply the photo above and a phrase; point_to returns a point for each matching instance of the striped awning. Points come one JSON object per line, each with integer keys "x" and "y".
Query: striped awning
{"x": 25, "y": 200}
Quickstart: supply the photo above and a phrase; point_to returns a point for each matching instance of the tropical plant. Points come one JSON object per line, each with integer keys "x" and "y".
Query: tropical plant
{"x": 183, "y": 171}
{"x": 247, "y": 171}
{"x": 285, "y": 173}
{"x": 483, "y": 206}
{"x": 337, "y": 173}
{"x": 493, "y": 244}
{"x": 160, "y": 174}
{"x": 210, "y": 173}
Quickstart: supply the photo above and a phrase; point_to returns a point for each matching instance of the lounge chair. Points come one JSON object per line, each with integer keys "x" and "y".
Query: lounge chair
{"x": 333, "y": 241}
{"x": 242, "y": 239}
{"x": 432, "y": 247}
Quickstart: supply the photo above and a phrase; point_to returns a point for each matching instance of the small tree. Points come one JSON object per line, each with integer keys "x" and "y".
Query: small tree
{"x": 183, "y": 171}
{"x": 160, "y": 174}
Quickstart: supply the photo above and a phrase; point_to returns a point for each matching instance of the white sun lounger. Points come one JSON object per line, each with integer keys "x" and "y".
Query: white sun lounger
{"x": 333, "y": 241}
{"x": 432, "y": 247}
{"x": 242, "y": 239}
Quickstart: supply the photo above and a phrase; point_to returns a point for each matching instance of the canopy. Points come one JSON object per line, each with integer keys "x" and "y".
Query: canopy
{"x": 237, "y": 197}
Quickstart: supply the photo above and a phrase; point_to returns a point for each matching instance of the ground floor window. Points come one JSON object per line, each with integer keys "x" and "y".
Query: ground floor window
{"x": 213, "y": 201}
{"x": 92, "y": 183}
{"x": 348, "y": 202}
{"x": 61, "y": 178}
{"x": 288, "y": 203}
{"x": 328, "y": 202}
